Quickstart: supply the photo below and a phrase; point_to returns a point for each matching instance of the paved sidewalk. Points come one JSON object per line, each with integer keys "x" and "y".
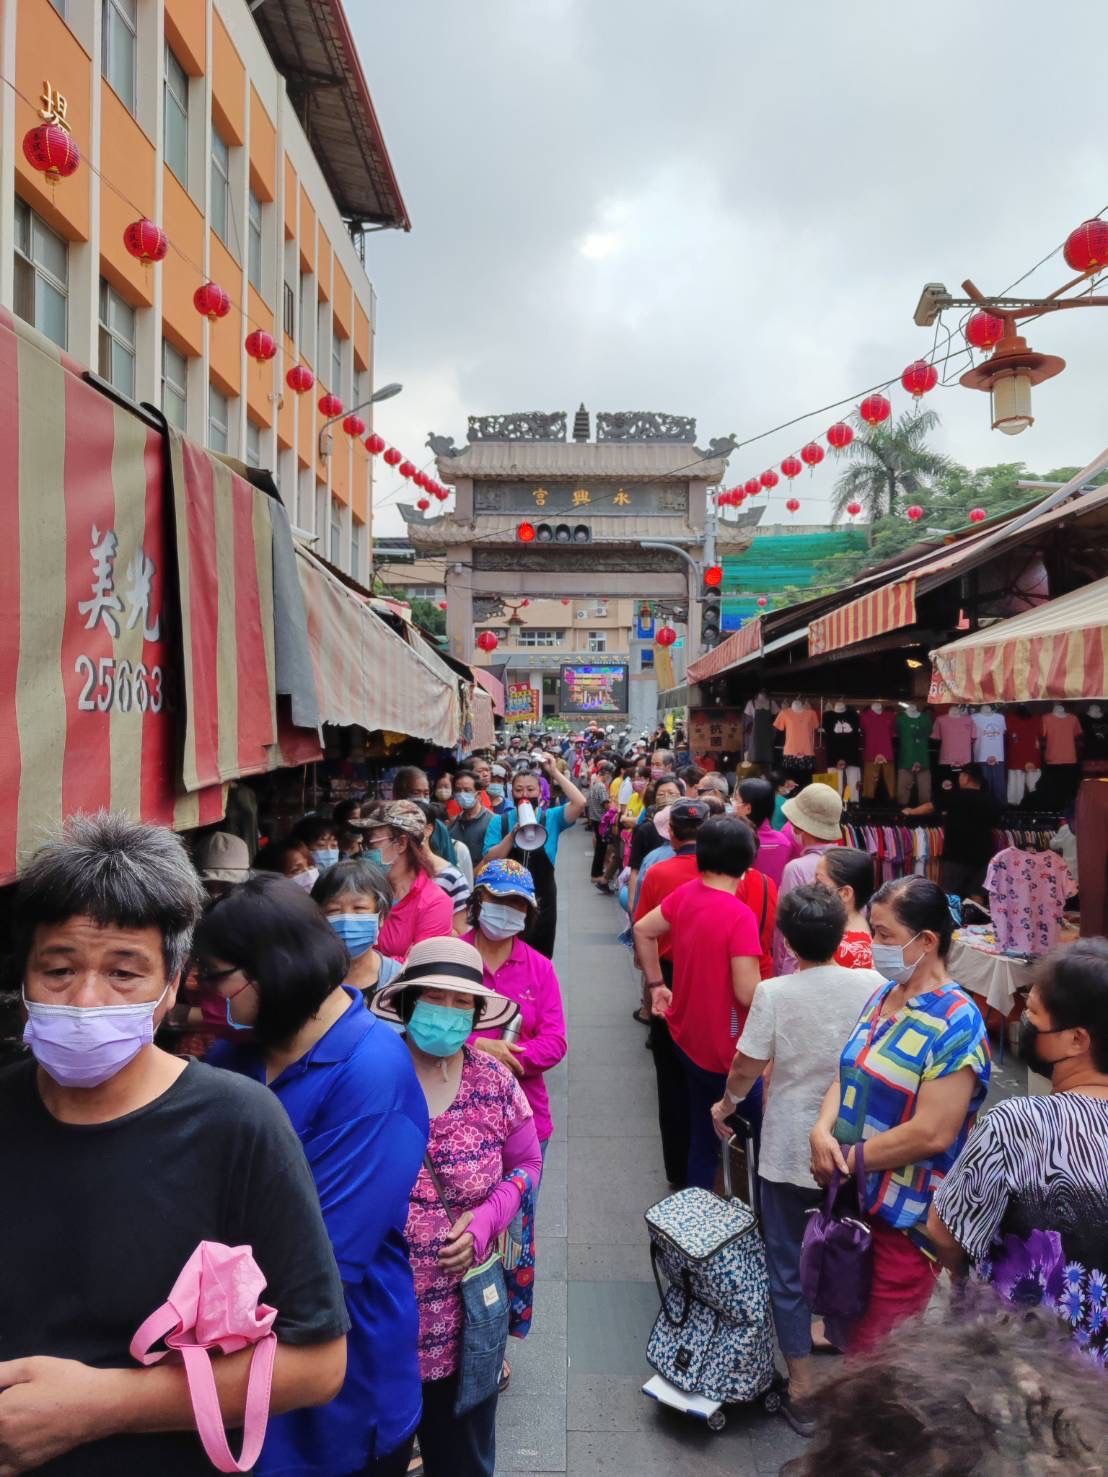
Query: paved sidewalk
{"x": 575, "y": 1404}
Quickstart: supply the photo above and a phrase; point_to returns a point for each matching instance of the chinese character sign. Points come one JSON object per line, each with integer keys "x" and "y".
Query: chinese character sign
{"x": 522, "y": 703}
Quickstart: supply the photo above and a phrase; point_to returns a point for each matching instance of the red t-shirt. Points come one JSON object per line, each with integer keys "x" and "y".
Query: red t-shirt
{"x": 855, "y": 951}
{"x": 662, "y": 879}
{"x": 708, "y": 928}
{"x": 1025, "y": 736}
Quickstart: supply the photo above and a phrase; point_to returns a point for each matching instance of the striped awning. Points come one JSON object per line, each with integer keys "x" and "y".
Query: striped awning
{"x": 493, "y": 686}
{"x": 368, "y": 674}
{"x": 887, "y": 609}
{"x": 484, "y": 728}
{"x": 744, "y": 644}
{"x": 1055, "y": 652}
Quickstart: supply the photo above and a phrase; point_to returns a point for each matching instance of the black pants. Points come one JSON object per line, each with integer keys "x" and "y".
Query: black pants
{"x": 456, "y": 1446}
{"x": 599, "y": 851}
{"x": 393, "y": 1465}
{"x": 673, "y": 1096}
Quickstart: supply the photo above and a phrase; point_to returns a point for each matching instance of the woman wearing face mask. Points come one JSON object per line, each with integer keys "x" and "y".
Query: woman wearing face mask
{"x": 502, "y": 906}
{"x": 444, "y": 789}
{"x": 291, "y": 859}
{"x": 347, "y": 1085}
{"x": 1028, "y": 1197}
{"x": 321, "y": 839}
{"x": 911, "y": 1079}
{"x": 485, "y": 1154}
{"x": 356, "y": 898}
{"x": 450, "y": 878}
{"x": 420, "y": 910}
{"x": 849, "y": 872}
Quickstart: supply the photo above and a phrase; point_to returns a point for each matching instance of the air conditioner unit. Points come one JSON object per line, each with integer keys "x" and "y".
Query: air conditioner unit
{"x": 582, "y": 615}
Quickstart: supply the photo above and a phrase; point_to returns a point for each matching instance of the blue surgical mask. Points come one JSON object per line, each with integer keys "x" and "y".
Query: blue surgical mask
{"x": 374, "y": 855}
{"x": 325, "y": 857}
{"x": 358, "y": 931}
{"x": 495, "y": 791}
{"x": 888, "y": 959}
{"x": 467, "y": 799}
{"x": 236, "y": 1025}
{"x": 439, "y": 1030}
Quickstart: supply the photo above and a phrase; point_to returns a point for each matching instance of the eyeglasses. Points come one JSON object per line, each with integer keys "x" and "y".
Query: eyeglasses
{"x": 213, "y": 978}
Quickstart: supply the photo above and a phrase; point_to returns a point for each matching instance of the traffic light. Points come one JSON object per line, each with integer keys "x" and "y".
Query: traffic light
{"x": 556, "y": 533}
{"x": 525, "y": 533}
{"x": 710, "y": 601}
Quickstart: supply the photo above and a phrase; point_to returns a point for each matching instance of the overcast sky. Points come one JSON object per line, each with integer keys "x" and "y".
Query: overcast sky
{"x": 727, "y": 210}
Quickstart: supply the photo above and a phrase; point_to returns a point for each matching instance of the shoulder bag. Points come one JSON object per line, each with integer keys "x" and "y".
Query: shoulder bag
{"x": 836, "y": 1255}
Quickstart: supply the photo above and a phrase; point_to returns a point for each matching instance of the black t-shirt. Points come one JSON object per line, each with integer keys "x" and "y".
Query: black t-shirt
{"x": 644, "y": 840}
{"x": 969, "y": 817}
{"x": 1095, "y": 731}
{"x": 842, "y": 737}
{"x": 99, "y": 1220}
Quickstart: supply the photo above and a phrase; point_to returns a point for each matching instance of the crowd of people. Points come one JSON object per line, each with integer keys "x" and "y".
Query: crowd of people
{"x": 332, "y": 1054}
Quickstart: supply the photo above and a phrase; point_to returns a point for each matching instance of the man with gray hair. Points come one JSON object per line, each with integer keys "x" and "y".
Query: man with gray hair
{"x": 124, "y": 1159}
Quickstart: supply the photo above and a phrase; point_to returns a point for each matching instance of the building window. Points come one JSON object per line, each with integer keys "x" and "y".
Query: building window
{"x": 218, "y": 419}
{"x": 176, "y": 108}
{"x": 254, "y": 243}
{"x": 117, "y": 340}
{"x": 535, "y": 637}
{"x": 221, "y": 188}
{"x": 175, "y": 398}
{"x": 336, "y": 534}
{"x": 647, "y": 663}
{"x": 336, "y": 359}
{"x": 253, "y": 443}
{"x": 307, "y": 315}
{"x": 289, "y": 313}
{"x": 41, "y": 275}
{"x": 355, "y": 548}
{"x": 598, "y": 641}
{"x": 120, "y": 43}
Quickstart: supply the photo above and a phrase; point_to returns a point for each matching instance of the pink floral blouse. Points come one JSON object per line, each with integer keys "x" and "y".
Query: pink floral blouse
{"x": 467, "y": 1149}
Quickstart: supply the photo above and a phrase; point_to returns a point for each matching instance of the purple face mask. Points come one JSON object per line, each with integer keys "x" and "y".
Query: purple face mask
{"x": 83, "y": 1046}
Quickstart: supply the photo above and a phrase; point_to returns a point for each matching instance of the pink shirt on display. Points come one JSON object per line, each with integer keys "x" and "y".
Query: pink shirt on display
{"x": 1027, "y": 894}
{"x": 877, "y": 735}
{"x": 955, "y": 734}
{"x": 1061, "y": 733}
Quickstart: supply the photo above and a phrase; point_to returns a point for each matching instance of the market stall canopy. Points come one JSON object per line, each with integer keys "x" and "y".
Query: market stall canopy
{"x": 744, "y": 644}
{"x": 484, "y": 728}
{"x": 493, "y": 686}
{"x": 366, "y": 672}
{"x": 1056, "y": 652}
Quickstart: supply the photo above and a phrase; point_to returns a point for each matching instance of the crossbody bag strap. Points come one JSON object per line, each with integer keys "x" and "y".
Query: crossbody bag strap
{"x": 439, "y": 1191}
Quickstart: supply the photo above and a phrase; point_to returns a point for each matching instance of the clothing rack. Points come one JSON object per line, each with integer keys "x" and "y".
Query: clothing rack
{"x": 897, "y": 848}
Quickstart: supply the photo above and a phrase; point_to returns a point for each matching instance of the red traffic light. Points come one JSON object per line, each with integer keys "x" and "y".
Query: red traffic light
{"x": 713, "y": 576}
{"x": 525, "y": 533}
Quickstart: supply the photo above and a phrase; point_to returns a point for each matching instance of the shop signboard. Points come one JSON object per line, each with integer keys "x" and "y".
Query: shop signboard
{"x": 585, "y": 688}
{"x": 715, "y": 731}
{"x": 522, "y": 703}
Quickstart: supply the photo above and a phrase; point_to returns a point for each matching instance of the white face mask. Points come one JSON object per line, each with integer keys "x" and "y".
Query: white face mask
{"x": 877, "y": 707}
{"x": 498, "y": 921}
{"x": 888, "y": 959}
{"x": 306, "y": 879}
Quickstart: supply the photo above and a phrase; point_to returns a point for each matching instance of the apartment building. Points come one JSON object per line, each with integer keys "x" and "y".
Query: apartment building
{"x": 249, "y": 136}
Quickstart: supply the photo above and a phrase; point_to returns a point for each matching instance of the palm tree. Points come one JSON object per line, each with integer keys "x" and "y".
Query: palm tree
{"x": 890, "y": 462}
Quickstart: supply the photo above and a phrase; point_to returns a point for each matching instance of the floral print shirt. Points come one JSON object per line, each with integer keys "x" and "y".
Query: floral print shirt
{"x": 1027, "y": 894}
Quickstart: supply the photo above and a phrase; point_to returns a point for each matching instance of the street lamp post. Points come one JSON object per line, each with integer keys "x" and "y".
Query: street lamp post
{"x": 386, "y": 392}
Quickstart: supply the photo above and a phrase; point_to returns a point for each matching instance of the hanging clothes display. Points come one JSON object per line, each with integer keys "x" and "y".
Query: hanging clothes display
{"x": 758, "y": 729}
{"x": 913, "y": 755}
{"x": 1027, "y": 895}
{"x": 1024, "y": 752}
{"x": 878, "y": 750}
{"x": 954, "y": 730}
{"x": 842, "y": 739}
{"x": 989, "y": 729}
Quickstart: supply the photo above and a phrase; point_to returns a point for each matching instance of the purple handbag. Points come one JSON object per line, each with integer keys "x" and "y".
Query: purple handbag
{"x": 836, "y": 1255}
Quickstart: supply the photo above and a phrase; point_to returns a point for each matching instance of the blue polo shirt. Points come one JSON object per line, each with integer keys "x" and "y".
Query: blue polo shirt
{"x": 554, "y": 820}
{"x": 362, "y": 1118}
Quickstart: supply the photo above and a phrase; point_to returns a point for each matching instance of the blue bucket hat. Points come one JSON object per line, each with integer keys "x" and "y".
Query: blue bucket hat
{"x": 505, "y": 879}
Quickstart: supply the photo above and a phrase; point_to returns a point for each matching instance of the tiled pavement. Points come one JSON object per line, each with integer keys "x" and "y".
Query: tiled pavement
{"x": 575, "y": 1404}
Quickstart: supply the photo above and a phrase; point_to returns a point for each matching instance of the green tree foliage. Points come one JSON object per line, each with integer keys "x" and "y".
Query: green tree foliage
{"x": 891, "y": 465}
{"x": 427, "y": 614}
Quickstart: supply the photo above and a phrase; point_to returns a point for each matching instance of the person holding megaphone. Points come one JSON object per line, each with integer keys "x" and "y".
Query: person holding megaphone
{"x": 528, "y": 833}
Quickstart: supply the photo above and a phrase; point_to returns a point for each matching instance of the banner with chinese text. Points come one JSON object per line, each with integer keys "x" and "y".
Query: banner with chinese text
{"x": 523, "y": 703}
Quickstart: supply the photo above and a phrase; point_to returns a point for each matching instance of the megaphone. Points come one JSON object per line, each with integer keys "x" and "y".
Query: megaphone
{"x": 530, "y": 834}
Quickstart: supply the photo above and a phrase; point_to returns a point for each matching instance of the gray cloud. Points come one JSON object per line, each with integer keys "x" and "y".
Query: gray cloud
{"x": 726, "y": 209}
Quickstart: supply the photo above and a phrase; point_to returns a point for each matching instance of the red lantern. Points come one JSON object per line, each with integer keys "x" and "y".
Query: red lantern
{"x": 261, "y": 345}
{"x": 854, "y": 509}
{"x": 565, "y": 602}
{"x": 423, "y": 504}
{"x": 442, "y": 605}
{"x": 737, "y": 497}
{"x": 407, "y": 470}
{"x": 52, "y": 150}
{"x": 984, "y": 330}
{"x": 769, "y": 480}
{"x": 874, "y": 409}
{"x": 442, "y": 493}
{"x": 522, "y": 603}
{"x": 666, "y": 636}
{"x": 211, "y": 302}
{"x": 375, "y": 444}
{"x": 977, "y": 515}
{"x": 791, "y": 467}
{"x": 752, "y": 487}
{"x": 919, "y": 378}
{"x": 487, "y": 641}
{"x": 793, "y": 505}
{"x": 812, "y": 453}
{"x": 915, "y": 513}
{"x": 146, "y": 240}
{"x": 330, "y": 406}
{"x": 299, "y": 379}
{"x": 839, "y": 436}
{"x": 353, "y": 425}
{"x": 1086, "y": 249}
{"x": 762, "y": 602}
{"x": 394, "y": 457}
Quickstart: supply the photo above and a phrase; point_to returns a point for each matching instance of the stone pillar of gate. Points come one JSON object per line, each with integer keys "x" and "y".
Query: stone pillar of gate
{"x": 459, "y": 603}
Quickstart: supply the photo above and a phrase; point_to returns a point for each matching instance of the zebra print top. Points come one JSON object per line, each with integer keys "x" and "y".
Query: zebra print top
{"x": 1028, "y": 1202}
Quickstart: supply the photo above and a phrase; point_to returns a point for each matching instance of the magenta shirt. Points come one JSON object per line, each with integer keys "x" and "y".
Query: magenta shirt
{"x": 800, "y": 871}
{"x": 775, "y": 850}
{"x": 425, "y": 913}
{"x": 528, "y": 978}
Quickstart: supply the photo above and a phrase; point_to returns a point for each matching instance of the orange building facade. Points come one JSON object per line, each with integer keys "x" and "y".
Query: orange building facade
{"x": 194, "y": 114}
